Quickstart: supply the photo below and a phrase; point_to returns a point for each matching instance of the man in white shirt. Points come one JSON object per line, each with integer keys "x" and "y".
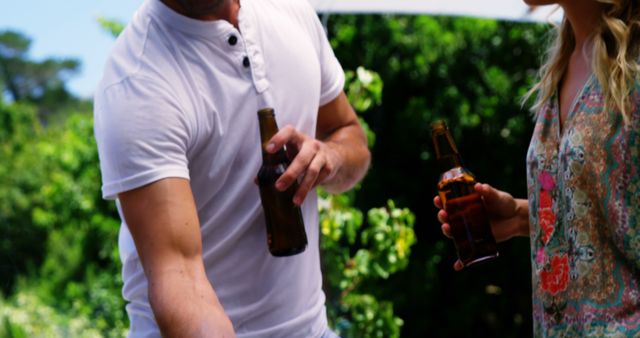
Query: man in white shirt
{"x": 177, "y": 130}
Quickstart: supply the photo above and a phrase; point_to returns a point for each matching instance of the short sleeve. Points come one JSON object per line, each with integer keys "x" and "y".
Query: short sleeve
{"x": 142, "y": 136}
{"x": 332, "y": 74}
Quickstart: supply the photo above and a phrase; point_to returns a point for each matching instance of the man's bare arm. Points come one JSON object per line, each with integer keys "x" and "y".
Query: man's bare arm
{"x": 339, "y": 128}
{"x": 164, "y": 224}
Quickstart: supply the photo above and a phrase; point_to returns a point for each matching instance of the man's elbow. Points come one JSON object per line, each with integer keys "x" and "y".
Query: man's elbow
{"x": 365, "y": 163}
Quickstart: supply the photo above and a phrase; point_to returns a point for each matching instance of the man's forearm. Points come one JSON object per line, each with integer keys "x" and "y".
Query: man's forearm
{"x": 349, "y": 145}
{"x": 164, "y": 223}
{"x": 186, "y": 306}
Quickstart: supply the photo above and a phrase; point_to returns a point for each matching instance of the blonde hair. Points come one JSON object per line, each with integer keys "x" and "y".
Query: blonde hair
{"x": 615, "y": 49}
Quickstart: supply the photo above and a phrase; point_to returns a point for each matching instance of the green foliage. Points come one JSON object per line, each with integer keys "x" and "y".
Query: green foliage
{"x": 19, "y": 127}
{"x": 391, "y": 237}
{"x": 353, "y": 255}
{"x": 472, "y": 73}
{"x": 370, "y": 318}
{"x": 111, "y": 26}
{"x": 11, "y": 330}
{"x": 19, "y": 124}
{"x": 54, "y": 220}
{"x": 381, "y": 249}
{"x": 28, "y": 316}
{"x": 364, "y": 88}
{"x": 364, "y": 91}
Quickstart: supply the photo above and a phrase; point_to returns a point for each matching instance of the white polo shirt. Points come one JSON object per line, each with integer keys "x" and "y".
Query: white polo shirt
{"x": 179, "y": 98}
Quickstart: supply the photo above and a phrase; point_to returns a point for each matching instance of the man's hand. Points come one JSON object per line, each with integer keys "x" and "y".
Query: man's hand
{"x": 313, "y": 160}
{"x": 337, "y": 159}
{"x": 509, "y": 217}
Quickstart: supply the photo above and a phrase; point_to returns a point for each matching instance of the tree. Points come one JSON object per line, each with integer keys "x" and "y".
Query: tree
{"x": 57, "y": 235}
{"x": 39, "y": 82}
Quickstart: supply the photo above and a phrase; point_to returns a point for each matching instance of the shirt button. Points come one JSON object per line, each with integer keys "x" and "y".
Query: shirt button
{"x": 233, "y": 40}
{"x": 245, "y": 62}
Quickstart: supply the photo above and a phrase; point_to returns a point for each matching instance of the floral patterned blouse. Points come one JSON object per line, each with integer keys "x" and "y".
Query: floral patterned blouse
{"x": 584, "y": 199}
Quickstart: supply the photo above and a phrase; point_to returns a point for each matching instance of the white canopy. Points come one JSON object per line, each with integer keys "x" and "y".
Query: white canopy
{"x": 513, "y": 10}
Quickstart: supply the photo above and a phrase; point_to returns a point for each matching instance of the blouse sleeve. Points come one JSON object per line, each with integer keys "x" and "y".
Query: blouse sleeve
{"x": 622, "y": 180}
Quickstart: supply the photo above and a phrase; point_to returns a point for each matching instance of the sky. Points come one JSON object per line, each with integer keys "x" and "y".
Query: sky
{"x": 69, "y": 29}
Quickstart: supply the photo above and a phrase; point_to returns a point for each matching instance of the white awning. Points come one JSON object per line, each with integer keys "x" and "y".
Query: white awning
{"x": 512, "y": 10}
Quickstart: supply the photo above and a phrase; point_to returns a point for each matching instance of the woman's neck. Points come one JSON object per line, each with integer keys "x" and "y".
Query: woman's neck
{"x": 584, "y": 16}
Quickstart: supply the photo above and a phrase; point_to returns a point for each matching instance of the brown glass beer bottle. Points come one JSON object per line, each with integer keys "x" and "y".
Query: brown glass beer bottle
{"x": 468, "y": 218}
{"x": 286, "y": 235}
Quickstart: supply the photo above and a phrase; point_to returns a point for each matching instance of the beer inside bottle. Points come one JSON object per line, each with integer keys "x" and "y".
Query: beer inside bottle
{"x": 468, "y": 218}
{"x": 286, "y": 235}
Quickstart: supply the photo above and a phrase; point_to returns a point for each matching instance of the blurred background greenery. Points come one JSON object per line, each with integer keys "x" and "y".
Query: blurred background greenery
{"x": 388, "y": 269}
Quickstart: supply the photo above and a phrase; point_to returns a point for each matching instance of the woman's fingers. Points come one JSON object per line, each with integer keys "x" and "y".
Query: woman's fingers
{"x": 489, "y": 193}
{"x": 437, "y": 202}
{"x": 446, "y": 230}
{"x": 442, "y": 216}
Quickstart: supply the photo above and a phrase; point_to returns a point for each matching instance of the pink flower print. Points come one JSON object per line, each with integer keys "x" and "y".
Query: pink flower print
{"x": 546, "y": 216}
{"x": 540, "y": 256}
{"x": 546, "y": 181}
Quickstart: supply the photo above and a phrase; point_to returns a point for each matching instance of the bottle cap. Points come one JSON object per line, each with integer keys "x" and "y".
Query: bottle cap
{"x": 265, "y": 112}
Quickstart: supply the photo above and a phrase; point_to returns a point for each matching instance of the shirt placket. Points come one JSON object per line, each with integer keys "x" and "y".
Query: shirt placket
{"x": 248, "y": 55}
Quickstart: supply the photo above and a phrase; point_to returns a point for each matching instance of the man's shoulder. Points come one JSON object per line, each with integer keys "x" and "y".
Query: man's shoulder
{"x": 136, "y": 66}
{"x": 300, "y": 8}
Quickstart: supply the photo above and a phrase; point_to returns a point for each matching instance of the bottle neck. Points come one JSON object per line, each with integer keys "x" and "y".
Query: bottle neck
{"x": 450, "y": 162}
{"x": 268, "y": 128}
{"x": 446, "y": 150}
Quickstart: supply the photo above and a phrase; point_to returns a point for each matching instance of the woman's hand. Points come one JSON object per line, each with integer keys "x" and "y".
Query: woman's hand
{"x": 509, "y": 217}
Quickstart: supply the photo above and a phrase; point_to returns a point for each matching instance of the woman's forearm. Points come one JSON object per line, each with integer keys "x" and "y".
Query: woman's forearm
{"x": 522, "y": 212}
